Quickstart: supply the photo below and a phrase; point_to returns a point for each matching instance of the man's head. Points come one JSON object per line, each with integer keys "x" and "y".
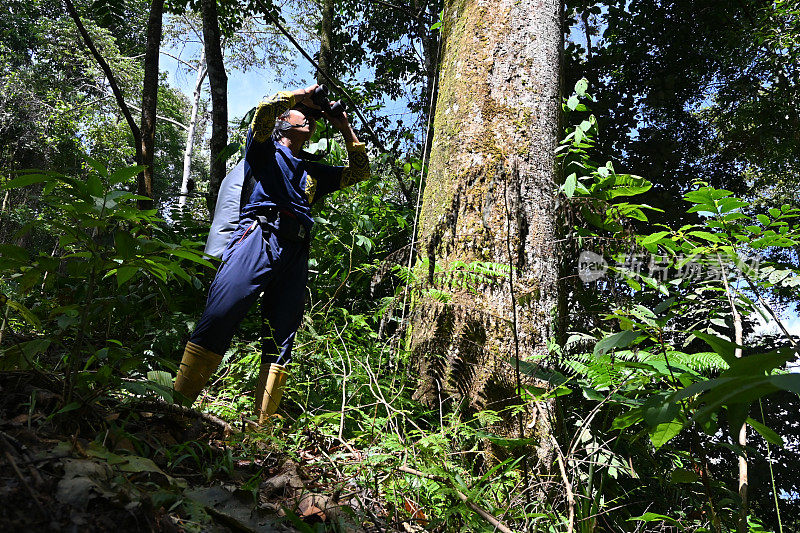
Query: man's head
{"x": 296, "y": 124}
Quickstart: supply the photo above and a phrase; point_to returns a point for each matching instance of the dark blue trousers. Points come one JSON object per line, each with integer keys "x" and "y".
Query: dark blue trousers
{"x": 255, "y": 261}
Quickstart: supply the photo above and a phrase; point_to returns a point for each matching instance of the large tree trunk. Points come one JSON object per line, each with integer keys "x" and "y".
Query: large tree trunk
{"x": 325, "y": 40}
{"x": 187, "y": 153}
{"x": 218, "y": 81}
{"x": 150, "y": 102}
{"x": 490, "y": 197}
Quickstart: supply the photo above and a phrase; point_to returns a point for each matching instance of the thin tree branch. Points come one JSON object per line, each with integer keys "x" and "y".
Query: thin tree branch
{"x": 112, "y": 81}
{"x": 399, "y": 8}
{"x": 161, "y": 405}
{"x": 738, "y": 353}
{"x": 179, "y": 60}
{"x": 190, "y": 23}
{"x": 567, "y": 485}
{"x": 772, "y": 313}
{"x": 165, "y": 119}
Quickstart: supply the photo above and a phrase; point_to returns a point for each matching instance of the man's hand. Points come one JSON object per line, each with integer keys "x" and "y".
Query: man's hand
{"x": 342, "y": 123}
{"x": 304, "y": 96}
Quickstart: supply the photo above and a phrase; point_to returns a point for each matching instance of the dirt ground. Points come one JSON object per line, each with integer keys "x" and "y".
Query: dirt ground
{"x": 124, "y": 465}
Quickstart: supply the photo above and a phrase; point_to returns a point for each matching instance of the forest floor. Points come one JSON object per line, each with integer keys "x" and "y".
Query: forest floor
{"x": 118, "y": 465}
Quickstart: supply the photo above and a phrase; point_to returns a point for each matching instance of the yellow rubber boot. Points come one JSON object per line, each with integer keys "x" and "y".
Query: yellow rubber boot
{"x": 195, "y": 370}
{"x": 269, "y": 391}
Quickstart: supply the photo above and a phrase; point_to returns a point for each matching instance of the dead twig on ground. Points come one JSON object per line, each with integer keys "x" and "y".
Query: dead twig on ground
{"x": 13, "y": 464}
{"x": 162, "y": 406}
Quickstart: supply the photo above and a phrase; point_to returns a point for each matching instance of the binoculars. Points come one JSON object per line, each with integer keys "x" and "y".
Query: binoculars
{"x": 320, "y": 98}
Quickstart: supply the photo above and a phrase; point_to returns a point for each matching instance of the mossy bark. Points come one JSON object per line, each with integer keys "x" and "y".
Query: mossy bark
{"x": 490, "y": 197}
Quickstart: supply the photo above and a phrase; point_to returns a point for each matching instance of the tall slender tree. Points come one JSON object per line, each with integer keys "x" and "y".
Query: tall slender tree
{"x": 190, "y": 134}
{"x": 489, "y": 205}
{"x": 218, "y": 80}
{"x": 150, "y": 101}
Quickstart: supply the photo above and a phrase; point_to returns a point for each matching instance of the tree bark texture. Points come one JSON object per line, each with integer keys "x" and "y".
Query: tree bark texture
{"x": 325, "y": 42}
{"x": 490, "y": 198}
{"x": 218, "y": 82}
{"x": 150, "y": 102}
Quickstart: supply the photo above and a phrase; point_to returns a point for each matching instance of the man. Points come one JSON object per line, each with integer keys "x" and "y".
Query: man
{"x": 268, "y": 252}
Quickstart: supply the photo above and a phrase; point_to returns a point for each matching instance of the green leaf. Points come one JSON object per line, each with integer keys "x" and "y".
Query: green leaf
{"x": 17, "y": 253}
{"x": 665, "y": 432}
{"x": 569, "y": 185}
{"x": 25, "y": 313}
{"x": 125, "y": 244}
{"x": 572, "y": 103}
{"x": 27, "y": 179}
{"x": 769, "y": 435}
{"x": 725, "y": 348}
{"x": 779, "y": 275}
{"x": 192, "y": 256}
{"x": 789, "y": 382}
{"x": 161, "y": 377}
{"x": 658, "y": 409}
{"x": 94, "y": 186}
{"x": 763, "y": 219}
{"x": 681, "y": 475}
{"x": 69, "y": 407}
{"x": 700, "y": 196}
{"x": 758, "y": 364}
{"x": 729, "y": 204}
{"x": 629, "y": 185}
{"x": 634, "y": 416}
{"x": 96, "y": 165}
{"x": 655, "y": 237}
{"x": 581, "y": 86}
{"x": 718, "y": 194}
{"x": 737, "y": 414}
{"x": 125, "y": 273}
{"x": 705, "y": 235}
{"x": 704, "y": 208}
{"x": 617, "y": 340}
{"x": 20, "y": 356}
{"x": 228, "y": 152}
{"x": 654, "y": 517}
{"x": 178, "y": 271}
{"x": 122, "y": 175}
{"x": 364, "y": 242}
{"x": 503, "y": 441}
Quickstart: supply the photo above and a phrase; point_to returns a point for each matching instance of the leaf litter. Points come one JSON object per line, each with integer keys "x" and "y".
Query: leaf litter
{"x": 112, "y": 467}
